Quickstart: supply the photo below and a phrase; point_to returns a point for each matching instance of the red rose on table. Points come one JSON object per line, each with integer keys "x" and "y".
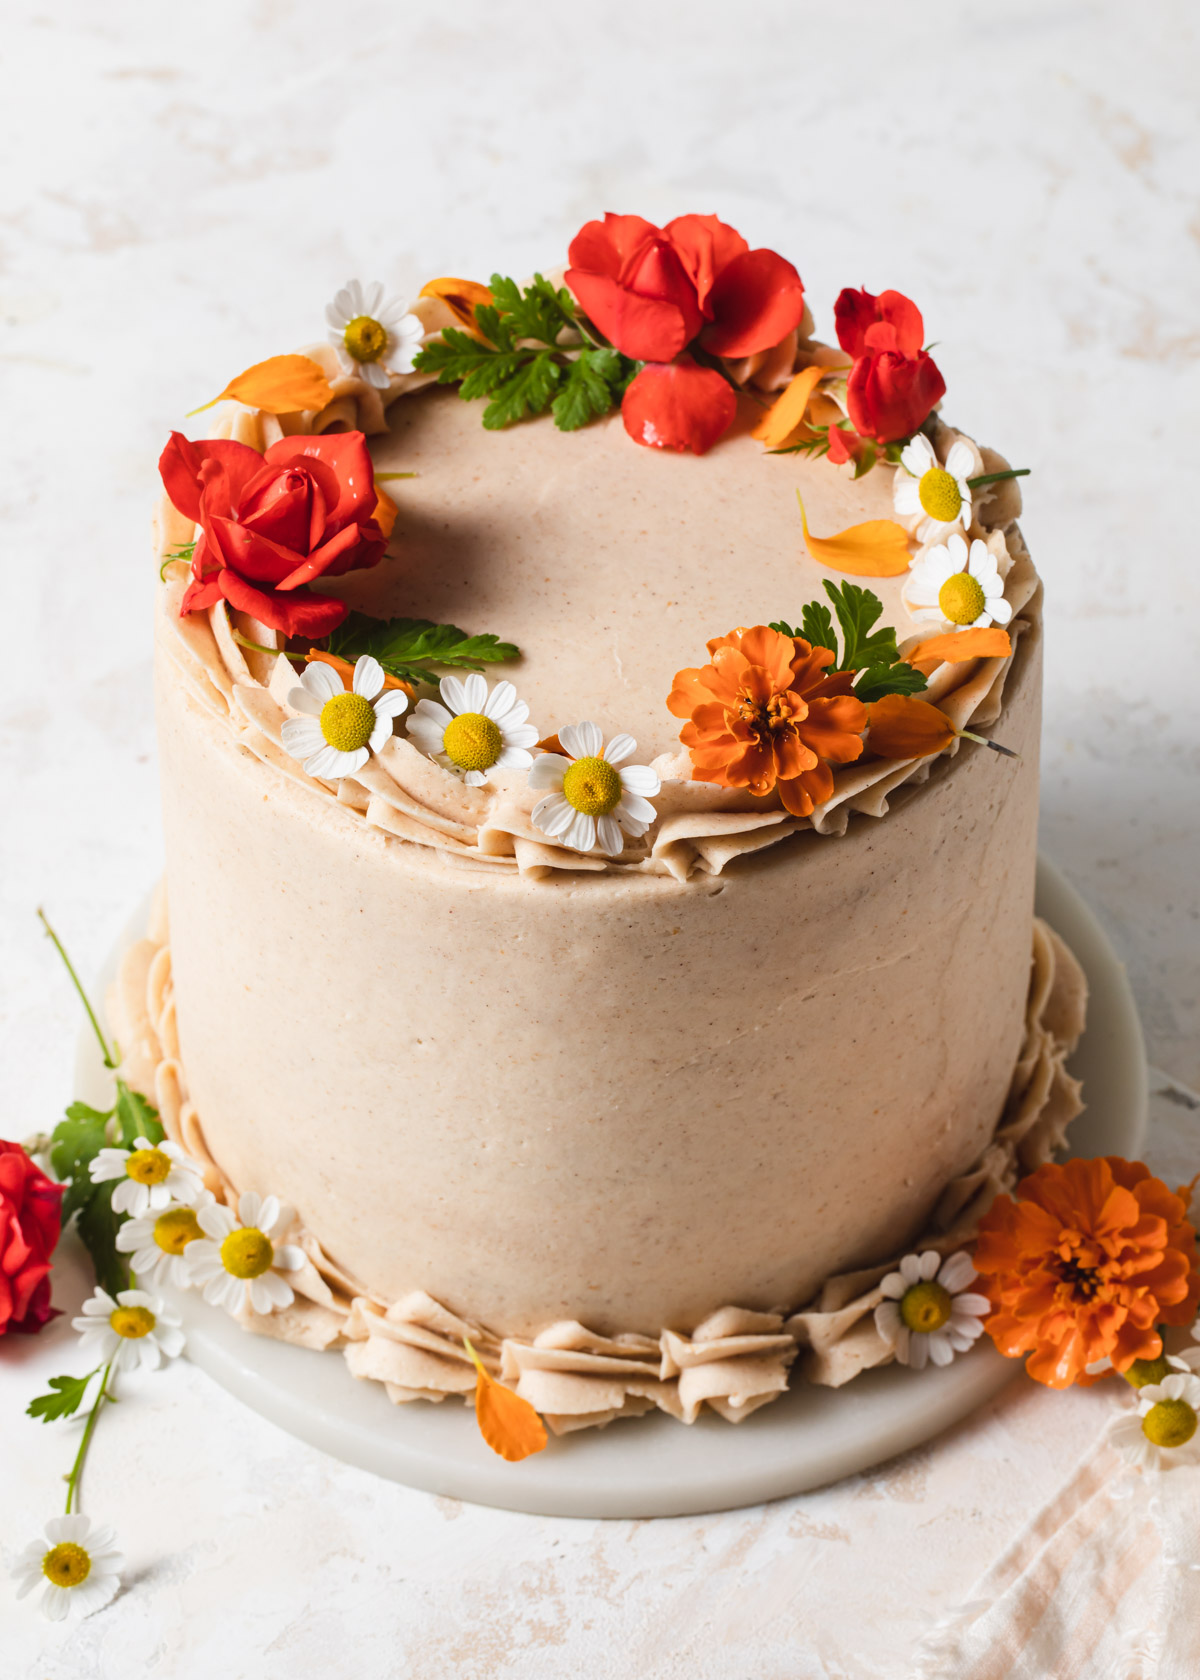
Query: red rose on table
{"x": 894, "y": 383}
{"x": 654, "y": 291}
{"x": 272, "y": 523}
{"x": 30, "y": 1222}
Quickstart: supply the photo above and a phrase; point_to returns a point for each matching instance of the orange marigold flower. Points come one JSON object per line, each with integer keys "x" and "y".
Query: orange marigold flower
{"x": 764, "y": 715}
{"x": 1084, "y": 1265}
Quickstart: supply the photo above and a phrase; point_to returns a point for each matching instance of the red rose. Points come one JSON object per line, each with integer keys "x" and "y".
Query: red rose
{"x": 30, "y": 1221}
{"x": 270, "y": 524}
{"x": 893, "y": 384}
{"x": 653, "y": 291}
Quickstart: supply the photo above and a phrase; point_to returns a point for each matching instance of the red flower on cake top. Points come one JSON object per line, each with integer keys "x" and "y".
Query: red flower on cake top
{"x": 893, "y": 385}
{"x": 30, "y": 1221}
{"x": 1084, "y": 1266}
{"x": 655, "y": 291}
{"x": 764, "y": 716}
{"x": 272, "y": 524}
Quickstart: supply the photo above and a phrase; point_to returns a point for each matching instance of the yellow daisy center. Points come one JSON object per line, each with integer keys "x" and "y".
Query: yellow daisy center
{"x": 132, "y": 1323}
{"x": 926, "y": 1307}
{"x": 247, "y": 1253}
{"x": 67, "y": 1564}
{"x": 175, "y": 1229}
{"x": 148, "y": 1166}
{"x": 347, "y": 721}
{"x": 365, "y": 338}
{"x": 961, "y": 598}
{"x": 592, "y": 786}
{"x": 1145, "y": 1371}
{"x": 1170, "y": 1423}
{"x": 473, "y": 741}
{"x": 940, "y": 496}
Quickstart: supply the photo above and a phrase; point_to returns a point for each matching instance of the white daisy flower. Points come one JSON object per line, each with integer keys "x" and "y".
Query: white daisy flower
{"x": 153, "y": 1175}
{"x": 157, "y": 1243}
{"x": 77, "y": 1562}
{"x": 239, "y": 1259}
{"x": 590, "y": 800}
{"x": 373, "y": 336}
{"x": 930, "y": 498}
{"x": 473, "y": 731}
{"x": 955, "y": 586}
{"x": 1165, "y": 1430}
{"x": 134, "y": 1330}
{"x": 929, "y": 1312}
{"x": 344, "y": 726}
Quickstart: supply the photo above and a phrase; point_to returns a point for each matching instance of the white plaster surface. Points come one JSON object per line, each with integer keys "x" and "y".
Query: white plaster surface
{"x": 181, "y": 187}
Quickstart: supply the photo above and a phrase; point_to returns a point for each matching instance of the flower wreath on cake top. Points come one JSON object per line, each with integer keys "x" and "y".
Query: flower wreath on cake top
{"x": 785, "y": 726}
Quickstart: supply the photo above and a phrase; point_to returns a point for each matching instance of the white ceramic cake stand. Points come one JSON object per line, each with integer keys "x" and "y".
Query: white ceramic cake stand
{"x": 653, "y": 1466}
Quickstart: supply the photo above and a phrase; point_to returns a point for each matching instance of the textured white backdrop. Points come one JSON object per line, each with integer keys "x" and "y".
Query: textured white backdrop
{"x": 181, "y": 188}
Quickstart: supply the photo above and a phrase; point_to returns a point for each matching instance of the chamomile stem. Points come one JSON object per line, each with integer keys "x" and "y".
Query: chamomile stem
{"x": 998, "y": 477}
{"x": 256, "y": 647}
{"x": 88, "y": 1431}
{"x": 982, "y": 741}
{"x": 83, "y": 997}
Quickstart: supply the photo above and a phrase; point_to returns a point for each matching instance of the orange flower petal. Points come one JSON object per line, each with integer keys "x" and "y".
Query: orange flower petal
{"x": 280, "y": 385}
{"x": 957, "y": 645}
{"x": 900, "y": 726}
{"x": 508, "y": 1424}
{"x": 345, "y": 670}
{"x": 385, "y": 513}
{"x": 786, "y": 415}
{"x": 460, "y": 298}
{"x": 877, "y": 548}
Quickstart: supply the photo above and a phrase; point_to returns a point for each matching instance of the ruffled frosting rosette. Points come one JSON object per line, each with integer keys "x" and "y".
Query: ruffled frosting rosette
{"x": 733, "y": 1362}
{"x": 700, "y": 828}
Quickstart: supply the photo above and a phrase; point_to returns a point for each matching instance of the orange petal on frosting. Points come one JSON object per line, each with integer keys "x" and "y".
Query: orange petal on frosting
{"x": 900, "y": 726}
{"x": 786, "y": 415}
{"x": 460, "y": 298}
{"x": 877, "y": 548}
{"x": 508, "y": 1424}
{"x": 957, "y": 645}
{"x": 385, "y": 513}
{"x": 280, "y": 385}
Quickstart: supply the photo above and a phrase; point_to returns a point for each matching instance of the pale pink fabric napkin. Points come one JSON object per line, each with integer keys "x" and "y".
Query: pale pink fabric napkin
{"x": 1102, "y": 1584}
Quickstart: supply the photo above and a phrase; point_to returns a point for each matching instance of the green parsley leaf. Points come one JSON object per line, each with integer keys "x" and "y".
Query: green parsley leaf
{"x": 65, "y": 1401}
{"x": 408, "y": 647}
{"x": 872, "y": 653}
{"x": 527, "y": 391}
{"x": 523, "y": 368}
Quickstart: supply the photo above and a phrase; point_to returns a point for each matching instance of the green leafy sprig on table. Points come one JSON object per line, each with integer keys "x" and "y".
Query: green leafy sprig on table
{"x": 408, "y": 648}
{"x": 522, "y": 368}
{"x": 872, "y": 653}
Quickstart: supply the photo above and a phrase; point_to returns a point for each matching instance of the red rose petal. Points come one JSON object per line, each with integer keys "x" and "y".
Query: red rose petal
{"x": 301, "y": 613}
{"x": 706, "y": 247}
{"x": 180, "y": 466}
{"x": 680, "y": 406}
{"x": 756, "y": 302}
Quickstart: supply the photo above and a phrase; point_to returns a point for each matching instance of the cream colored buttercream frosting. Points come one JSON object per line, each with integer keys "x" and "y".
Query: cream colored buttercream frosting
{"x": 640, "y": 1127}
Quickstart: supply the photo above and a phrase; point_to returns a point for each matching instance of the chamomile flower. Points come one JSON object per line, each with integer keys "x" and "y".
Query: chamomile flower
{"x": 374, "y": 336}
{"x": 589, "y": 799}
{"x": 152, "y": 1175}
{"x": 936, "y": 497}
{"x": 157, "y": 1243}
{"x": 1165, "y": 1430}
{"x": 240, "y": 1258}
{"x": 955, "y": 586}
{"x": 133, "y": 1330}
{"x": 472, "y": 731}
{"x": 343, "y": 726}
{"x": 78, "y": 1564}
{"x": 929, "y": 1311}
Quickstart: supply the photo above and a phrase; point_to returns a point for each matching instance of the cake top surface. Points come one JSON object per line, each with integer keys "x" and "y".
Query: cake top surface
{"x": 717, "y": 578}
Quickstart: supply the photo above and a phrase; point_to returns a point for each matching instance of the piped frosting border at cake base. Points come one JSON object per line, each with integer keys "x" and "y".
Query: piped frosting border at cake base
{"x": 733, "y": 1362}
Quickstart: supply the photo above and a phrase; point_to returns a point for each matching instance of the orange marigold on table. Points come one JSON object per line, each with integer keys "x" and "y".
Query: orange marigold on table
{"x": 1084, "y": 1265}
{"x": 764, "y": 715}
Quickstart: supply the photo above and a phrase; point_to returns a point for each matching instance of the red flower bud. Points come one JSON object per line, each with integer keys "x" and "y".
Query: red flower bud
{"x": 30, "y": 1221}
{"x": 894, "y": 384}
